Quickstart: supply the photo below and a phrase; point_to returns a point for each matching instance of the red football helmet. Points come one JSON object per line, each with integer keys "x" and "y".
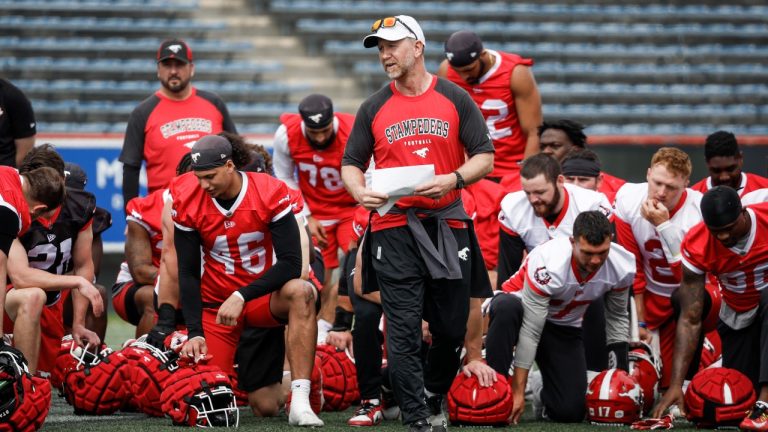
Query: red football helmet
{"x": 149, "y": 369}
{"x": 718, "y": 397}
{"x": 471, "y": 404}
{"x": 645, "y": 369}
{"x": 63, "y": 359}
{"x": 614, "y": 397}
{"x": 200, "y": 394}
{"x": 94, "y": 382}
{"x": 340, "y": 389}
{"x": 24, "y": 399}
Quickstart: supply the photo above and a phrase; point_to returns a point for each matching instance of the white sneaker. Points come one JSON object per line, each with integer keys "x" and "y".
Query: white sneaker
{"x": 303, "y": 417}
{"x": 535, "y": 382}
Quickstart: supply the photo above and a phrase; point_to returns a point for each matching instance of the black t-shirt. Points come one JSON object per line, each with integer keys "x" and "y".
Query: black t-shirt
{"x": 17, "y": 121}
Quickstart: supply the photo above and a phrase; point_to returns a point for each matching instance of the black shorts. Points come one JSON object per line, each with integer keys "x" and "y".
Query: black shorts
{"x": 259, "y": 357}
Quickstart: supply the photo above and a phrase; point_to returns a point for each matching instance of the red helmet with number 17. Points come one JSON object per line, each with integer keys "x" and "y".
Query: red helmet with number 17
{"x": 613, "y": 397}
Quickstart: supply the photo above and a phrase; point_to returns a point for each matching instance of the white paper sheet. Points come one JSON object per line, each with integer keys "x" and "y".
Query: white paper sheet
{"x": 399, "y": 182}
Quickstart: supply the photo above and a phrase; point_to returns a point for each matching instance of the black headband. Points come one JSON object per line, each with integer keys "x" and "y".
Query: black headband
{"x": 581, "y": 168}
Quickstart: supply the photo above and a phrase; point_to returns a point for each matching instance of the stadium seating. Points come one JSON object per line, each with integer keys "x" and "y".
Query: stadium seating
{"x": 85, "y": 64}
{"x": 652, "y": 67}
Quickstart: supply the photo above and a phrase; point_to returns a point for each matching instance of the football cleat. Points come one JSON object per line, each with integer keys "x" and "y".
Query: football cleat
{"x": 369, "y": 414}
{"x": 757, "y": 420}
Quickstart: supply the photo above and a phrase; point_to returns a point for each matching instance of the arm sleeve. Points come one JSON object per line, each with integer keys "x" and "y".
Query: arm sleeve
{"x": 130, "y": 182}
{"x": 511, "y": 250}
{"x": 187, "y": 245}
{"x": 360, "y": 142}
{"x": 617, "y": 315}
{"x": 287, "y": 244}
{"x": 22, "y": 117}
{"x": 534, "y": 317}
{"x": 282, "y": 162}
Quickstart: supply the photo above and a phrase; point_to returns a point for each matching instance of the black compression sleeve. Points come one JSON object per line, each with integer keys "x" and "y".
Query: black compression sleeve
{"x": 188, "y": 251}
{"x": 287, "y": 243}
{"x": 130, "y": 183}
{"x": 511, "y": 249}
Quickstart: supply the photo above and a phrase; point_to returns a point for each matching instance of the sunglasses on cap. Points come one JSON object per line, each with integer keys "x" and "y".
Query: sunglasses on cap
{"x": 390, "y": 22}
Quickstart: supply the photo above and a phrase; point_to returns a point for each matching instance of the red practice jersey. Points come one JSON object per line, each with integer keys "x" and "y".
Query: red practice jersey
{"x": 12, "y": 197}
{"x": 742, "y": 273}
{"x": 749, "y": 182}
{"x": 237, "y": 243}
{"x": 319, "y": 171}
{"x": 493, "y": 94}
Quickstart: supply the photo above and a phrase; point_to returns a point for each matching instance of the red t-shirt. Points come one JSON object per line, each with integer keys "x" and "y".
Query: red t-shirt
{"x": 161, "y": 131}
{"x": 749, "y": 183}
{"x": 319, "y": 171}
{"x": 493, "y": 94}
{"x": 237, "y": 243}
{"x": 437, "y": 127}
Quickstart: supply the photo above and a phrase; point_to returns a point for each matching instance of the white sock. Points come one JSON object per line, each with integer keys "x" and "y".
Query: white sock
{"x": 300, "y": 389}
{"x": 323, "y": 325}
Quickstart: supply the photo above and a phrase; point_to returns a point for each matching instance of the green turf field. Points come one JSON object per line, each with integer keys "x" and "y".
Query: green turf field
{"x": 62, "y": 419}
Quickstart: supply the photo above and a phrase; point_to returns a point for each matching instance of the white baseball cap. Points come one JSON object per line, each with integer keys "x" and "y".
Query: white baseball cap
{"x": 394, "y": 29}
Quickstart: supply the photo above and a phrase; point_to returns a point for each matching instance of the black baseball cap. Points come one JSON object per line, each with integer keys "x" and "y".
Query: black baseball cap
{"x": 174, "y": 49}
{"x": 720, "y": 206}
{"x": 316, "y": 110}
{"x": 209, "y": 152}
{"x": 463, "y": 48}
{"x": 74, "y": 176}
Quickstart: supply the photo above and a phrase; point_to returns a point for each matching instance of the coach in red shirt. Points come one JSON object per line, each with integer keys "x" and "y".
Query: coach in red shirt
{"x": 422, "y": 254}
{"x": 163, "y": 127}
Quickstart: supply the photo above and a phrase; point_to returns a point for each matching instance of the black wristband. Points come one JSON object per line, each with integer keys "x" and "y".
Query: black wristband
{"x": 343, "y": 320}
{"x": 459, "y": 180}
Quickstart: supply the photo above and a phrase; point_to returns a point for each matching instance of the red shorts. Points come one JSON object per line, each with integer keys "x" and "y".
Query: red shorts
{"x": 51, "y": 332}
{"x": 339, "y": 235}
{"x": 222, "y": 340}
{"x": 659, "y": 315}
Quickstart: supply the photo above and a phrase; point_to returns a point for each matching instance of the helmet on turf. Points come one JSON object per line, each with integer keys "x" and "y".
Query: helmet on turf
{"x": 718, "y": 397}
{"x": 645, "y": 368}
{"x": 613, "y": 397}
{"x": 339, "y": 378}
{"x": 94, "y": 382}
{"x": 472, "y": 404}
{"x": 200, "y": 395}
{"x": 149, "y": 370}
{"x": 24, "y": 399}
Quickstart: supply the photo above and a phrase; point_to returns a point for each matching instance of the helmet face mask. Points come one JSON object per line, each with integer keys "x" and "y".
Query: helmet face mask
{"x": 216, "y": 407}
